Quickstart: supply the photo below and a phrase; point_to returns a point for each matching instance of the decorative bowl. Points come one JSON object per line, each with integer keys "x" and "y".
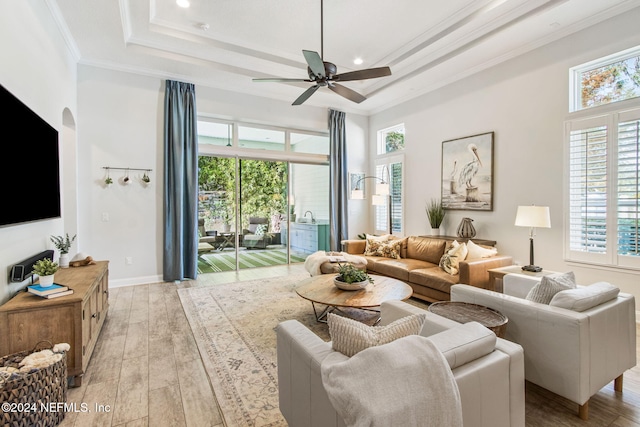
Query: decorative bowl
{"x": 355, "y": 286}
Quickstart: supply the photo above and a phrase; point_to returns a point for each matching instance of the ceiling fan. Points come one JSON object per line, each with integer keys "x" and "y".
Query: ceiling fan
{"x": 323, "y": 73}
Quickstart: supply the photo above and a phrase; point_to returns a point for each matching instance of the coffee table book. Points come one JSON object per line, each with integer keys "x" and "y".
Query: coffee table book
{"x": 48, "y": 290}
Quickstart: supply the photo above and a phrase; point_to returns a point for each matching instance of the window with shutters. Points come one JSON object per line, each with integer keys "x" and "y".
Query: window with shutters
{"x": 603, "y": 203}
{"x": 391, "y": 171}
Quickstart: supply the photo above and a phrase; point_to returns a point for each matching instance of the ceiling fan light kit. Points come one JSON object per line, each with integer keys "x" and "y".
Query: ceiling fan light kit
{"x": 323, "y": 73}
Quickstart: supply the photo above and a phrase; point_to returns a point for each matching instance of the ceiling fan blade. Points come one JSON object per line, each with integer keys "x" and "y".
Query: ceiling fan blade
{"x": 281, "y": 80}
{"x": 369, "y": 73}
{"x": 305, "y": 95}
{"x": 351, "y": 95}
{"x": 315, "y": 63}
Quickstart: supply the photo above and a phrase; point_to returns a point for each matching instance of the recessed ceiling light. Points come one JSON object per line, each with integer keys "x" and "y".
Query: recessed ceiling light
{"x": 183, "y": 3}
{"x": 358, "y": 61}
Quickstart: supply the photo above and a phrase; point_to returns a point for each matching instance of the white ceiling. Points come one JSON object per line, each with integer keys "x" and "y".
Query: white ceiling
{"x": 225, "y": 43}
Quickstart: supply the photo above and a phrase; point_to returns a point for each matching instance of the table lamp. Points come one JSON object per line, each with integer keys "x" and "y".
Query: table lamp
{"x": 532, "y": 217}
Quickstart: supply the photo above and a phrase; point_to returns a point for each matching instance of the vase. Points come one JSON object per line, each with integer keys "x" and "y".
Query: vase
{"x": 466, "y": 228}
{"x": 64, "y": 261}
{"x": 46, "y": 281}
{"x": 435, "y": 231}
{"x": 349, "y": 286}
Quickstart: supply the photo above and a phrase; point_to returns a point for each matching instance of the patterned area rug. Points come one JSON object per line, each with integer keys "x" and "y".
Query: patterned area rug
{"x": 214, "y": 262}
{"x": 234, "y": 327}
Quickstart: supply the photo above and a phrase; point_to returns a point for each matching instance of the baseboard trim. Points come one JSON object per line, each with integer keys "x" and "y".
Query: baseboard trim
{"x": 134, "y": 281}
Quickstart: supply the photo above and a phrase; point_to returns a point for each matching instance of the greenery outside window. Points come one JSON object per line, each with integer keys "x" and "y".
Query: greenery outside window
{"x": 603, "y": 197}
{"x": 391, "y": 140}
{"x": 606, "y": 80}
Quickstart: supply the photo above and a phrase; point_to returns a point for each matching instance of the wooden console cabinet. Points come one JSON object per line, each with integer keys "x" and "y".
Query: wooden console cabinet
{"x": 76, "y": 319}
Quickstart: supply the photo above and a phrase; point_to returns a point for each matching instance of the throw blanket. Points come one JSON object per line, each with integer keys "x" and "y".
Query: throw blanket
{"x": 405, "y": 383}
{"x": 316, "y": 259}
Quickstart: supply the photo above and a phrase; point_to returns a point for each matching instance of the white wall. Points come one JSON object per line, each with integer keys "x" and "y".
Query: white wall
{"x": 38, "y": 69}
{"x": 525, "y": 102}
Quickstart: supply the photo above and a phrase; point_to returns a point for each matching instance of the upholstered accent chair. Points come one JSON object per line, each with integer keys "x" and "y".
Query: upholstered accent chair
{"x": 573, "y": 346}
{"x": 489, "y": 375}
{"x": 256, "y": 235}
{"x": 208, "y": 239}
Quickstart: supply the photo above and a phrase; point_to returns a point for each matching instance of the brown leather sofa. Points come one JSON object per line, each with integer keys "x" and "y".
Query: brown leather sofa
{"x": 418, "y": 267}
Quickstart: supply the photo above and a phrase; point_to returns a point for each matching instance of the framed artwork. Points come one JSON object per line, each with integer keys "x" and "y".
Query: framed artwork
{"x": 354, "y": 177}
{"x": 467, "y": 173}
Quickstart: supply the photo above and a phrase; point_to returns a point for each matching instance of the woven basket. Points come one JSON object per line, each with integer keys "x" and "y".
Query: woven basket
{"x": 31, "y": 394}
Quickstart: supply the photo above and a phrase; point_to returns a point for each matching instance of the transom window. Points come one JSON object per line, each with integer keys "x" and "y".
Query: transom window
{"x": 391, "y": 139}
{"x": 606, "y": 80}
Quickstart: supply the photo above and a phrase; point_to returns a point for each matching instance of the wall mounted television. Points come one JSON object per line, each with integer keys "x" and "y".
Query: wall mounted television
{"x": 30, "y": 172}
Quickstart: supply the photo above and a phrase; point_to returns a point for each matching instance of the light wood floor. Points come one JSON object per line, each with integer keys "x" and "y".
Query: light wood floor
{"x": 146, "y": 369}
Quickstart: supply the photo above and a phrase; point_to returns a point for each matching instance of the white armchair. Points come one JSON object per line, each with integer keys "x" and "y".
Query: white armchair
{"x": 573, "y": 354}
{"x": 491, "y": 386}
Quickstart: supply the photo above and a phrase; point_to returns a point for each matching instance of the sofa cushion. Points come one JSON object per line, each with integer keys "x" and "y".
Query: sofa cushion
{"x": 399, "y": 268}
{"x": 584, "y": 298}
{"x": 425, "y": 249}
{"x": 349, "y": 336}
{"x": 550, "y": 285}
{"x": 464, "y": 343}
{"x": 477, "y": 251}
{"x": 433, "y": 277}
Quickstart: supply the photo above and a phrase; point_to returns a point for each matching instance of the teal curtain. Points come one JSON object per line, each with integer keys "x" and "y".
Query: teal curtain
{"x": 180, "y": 182}
{"x": 338, "y": 180}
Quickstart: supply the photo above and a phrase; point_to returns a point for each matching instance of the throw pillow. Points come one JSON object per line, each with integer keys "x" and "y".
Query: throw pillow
{"x": 387, "y": 249}
{"x": 451, "y": 260}
{"x": 477, "y": 251}
{"x": 372, "y": 240}
{"x": 584, "y": 298}
{"x": 261, "y": 229}
{"x": 349, "y": 336}
{"x": 550, "y": 285}
{"x": 464, "y": 251}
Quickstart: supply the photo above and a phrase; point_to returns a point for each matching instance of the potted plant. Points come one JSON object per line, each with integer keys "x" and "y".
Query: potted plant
{"x": 350, "y": 278}
{"x": 435, "y": 214}
{"x": 63, "y": 244}
{"x": 45, "y": 268}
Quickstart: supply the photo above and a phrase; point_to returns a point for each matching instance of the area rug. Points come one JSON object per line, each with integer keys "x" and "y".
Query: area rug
{"x": 234, "y": 327}
{"x": 214, "y": 262}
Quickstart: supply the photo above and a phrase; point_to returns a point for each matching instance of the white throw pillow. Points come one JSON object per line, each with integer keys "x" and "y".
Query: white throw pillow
{"x": 349, "y": 336}
{"x": 584, "y": 298}
{"x": 477, "y": 251}
{"x": 451, "y": 260}
{"x": 550, "y": 285}
{"x": 464, "y": 251}
{"x": 373, "y": 242}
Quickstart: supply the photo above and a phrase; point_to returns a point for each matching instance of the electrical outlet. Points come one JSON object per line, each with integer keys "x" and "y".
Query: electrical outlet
{"x": 128, "y": 260}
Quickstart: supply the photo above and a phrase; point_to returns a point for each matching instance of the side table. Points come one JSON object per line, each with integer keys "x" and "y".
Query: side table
{"x": 464, "y": 312}
{"x": 496, "y": 274}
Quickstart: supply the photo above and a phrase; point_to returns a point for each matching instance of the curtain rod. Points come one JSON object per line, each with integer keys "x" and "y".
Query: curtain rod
{"x": 127, "y": 169}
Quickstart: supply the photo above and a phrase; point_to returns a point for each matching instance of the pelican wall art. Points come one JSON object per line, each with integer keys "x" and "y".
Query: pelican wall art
{"x": 467, "y": 173}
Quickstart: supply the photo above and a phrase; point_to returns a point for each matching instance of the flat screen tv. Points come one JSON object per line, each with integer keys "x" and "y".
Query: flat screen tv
{"x": 30, "y": 171}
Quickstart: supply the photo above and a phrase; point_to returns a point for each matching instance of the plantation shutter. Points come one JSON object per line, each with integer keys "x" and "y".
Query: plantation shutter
{"x": 588, "y": 193}
{"x": 396, "y": 197}
{"x": 628, "y": 189}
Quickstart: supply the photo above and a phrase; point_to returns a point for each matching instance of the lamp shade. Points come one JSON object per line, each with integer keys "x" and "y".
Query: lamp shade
{"x": 533, "y": 216}
{"x": 382, "y": 189}
{"x": 357, "y": 194}
{"x": 378, "y": 200}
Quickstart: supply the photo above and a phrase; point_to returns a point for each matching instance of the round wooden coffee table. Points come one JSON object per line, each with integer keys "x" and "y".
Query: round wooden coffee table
{"x": 321, "y": 290}
{"x": 464, "y": 312}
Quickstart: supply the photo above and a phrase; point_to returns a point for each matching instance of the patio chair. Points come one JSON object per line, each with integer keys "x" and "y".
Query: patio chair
{"x": 256, "y": 236}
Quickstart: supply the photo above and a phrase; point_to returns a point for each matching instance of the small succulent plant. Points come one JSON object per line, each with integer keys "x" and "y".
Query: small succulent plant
{"x": 45, "y": 267}
{"x": 349, "y": 274}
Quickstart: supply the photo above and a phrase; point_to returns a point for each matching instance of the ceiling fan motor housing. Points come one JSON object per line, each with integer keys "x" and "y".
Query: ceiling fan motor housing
{"x": 330, "y": 70}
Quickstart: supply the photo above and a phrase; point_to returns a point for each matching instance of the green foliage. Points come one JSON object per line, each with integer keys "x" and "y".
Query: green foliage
{"x": 435, "y": 212}
{"x": 108, "y": 180}
{"x": 263, "y": 188}
{"x": 63, "y": 244}
{"x": 350, "y": 274}
{"x": 394, "y": 141}
{"x": 45, "y": 267}
{"x": 362, "y": 236}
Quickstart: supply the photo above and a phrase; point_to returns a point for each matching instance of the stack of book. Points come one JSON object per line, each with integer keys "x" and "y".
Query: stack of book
{"x": 53, "y": 291}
